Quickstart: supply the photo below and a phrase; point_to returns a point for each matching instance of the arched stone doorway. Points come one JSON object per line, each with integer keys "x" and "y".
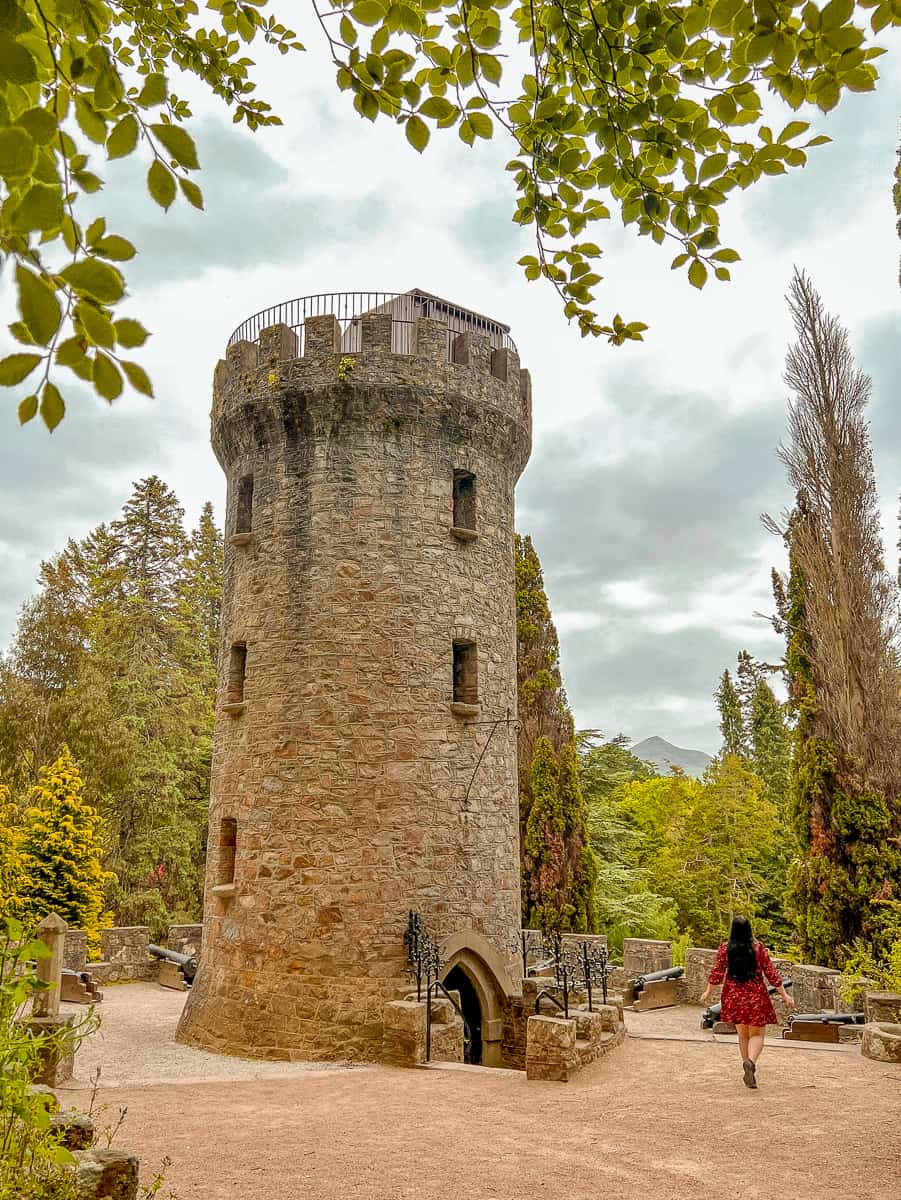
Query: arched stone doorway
{"x": 472, "y": 966}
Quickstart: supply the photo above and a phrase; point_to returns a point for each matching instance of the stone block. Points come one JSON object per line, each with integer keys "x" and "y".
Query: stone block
{"x": 106, "y": 1175}
{"x": 881, "y": 1041}
{"x": 321, "y": 336}
{"x": 699, "y": 962}
{"x": 882, "y": 1006}
{"x": 57, "y": 1050}
{"x": 74, "y": 1129}
{"x": 643, "y": 955}
{"x": 813, "y": 988}
{"x": 447, "y": 1042}
{"x": 278, "y": 343}
{"x": 556, "y": 1032}
{"x": 75, "y": 950}
{"x": 611, "y": 1016}
{"x": 185, "y": 939}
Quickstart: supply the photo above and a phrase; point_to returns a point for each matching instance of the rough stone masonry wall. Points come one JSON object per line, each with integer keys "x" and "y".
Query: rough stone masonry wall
{"x": 345, "y": 769}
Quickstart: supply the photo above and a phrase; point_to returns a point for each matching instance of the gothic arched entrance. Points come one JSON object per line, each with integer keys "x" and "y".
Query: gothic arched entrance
{"x": 474, "y": 968}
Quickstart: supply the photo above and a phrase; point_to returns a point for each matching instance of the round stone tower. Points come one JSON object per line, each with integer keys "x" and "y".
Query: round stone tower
{"x": 364, "y": 760}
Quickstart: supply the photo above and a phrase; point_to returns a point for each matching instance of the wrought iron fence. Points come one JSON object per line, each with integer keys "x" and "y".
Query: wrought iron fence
{"x": 577, "y": 963}
{"x": 349, "y": 307}
{"x": 424, "y": 965}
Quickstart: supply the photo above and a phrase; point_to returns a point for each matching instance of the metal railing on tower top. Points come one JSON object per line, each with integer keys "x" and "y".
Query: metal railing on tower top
{"x": 349, "y": 307}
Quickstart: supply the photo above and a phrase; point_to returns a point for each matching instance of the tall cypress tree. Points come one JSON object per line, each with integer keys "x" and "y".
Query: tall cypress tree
{"x": 559, "y": 870}
{"x": 732, "y": 721}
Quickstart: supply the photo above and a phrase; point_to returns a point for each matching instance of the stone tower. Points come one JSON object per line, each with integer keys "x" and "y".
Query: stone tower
{"x": 371, "y": 445}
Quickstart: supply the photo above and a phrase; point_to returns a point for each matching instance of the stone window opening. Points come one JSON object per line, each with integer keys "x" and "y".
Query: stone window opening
{"x": 243, "y": 512}
{"x": 224, "y": 887}
{"x": 237, "y": 670}
{"x": 464, "y": 495}
{"x": 466, "y": 678}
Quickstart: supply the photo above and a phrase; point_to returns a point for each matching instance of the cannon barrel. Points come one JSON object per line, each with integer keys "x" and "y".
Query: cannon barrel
{"x": 187, "y": 962}
{"x": 712, "y": 1014}
{"x": 656, "y": 976}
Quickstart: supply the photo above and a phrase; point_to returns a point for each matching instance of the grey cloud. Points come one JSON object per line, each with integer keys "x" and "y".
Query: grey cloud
{"x": 254, "y": 213}
{"x": 784, "y": 209}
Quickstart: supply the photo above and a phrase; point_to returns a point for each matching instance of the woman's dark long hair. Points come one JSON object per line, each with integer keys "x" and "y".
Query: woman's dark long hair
{"x": 740, "y": 951}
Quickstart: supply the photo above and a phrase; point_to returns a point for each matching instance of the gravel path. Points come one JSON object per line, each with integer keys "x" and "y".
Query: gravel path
{"x": 661, "y": 1119}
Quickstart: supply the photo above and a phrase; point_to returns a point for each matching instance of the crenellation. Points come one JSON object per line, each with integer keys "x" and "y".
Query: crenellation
{"x": 376, "y": 332}
{"x": 278, "y": 343}
{"x": 321, "y": 337}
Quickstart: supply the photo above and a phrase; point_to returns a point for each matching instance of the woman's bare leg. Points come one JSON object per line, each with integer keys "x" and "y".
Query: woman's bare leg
{"x": 754, "y": 1036}
{"x": 742, "y": 1031}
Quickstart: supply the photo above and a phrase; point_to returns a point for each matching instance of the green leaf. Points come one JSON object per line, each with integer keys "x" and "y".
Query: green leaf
{"x": 17, "y": 152}
{"x": 835, "y": 14}
{"x": 714, "y": 165}
{"x": 161, "y": 184}
{"x": 123, "y": 138}
{"x": 16, "y": 63}
{"x": 89, "y": 277}
{"x": 348, "y": 33}
{"x": 16, "y": 367}
{"x": 153, "y": 92}
{"x": 138, "y": 378}
{"x": 117, "y": 248}
{"x": 130, "y": 334}
{"x": 28, "y": 409}
{"x": 793, "y": 129}
{"x": 191, "y": 192}
{"x": 53, "y": 408}
{"x": 726, "y": 255}
{"x": 368, "y": 12}
{"x": 38, "y": 305}
{"x": 92, "y": 125}
{"x": 107, "y": 379}
{"x": 179, "y": 143}
{"x": 481, "y": 124}
{"x": 724, "y": 13}
{"x": 40, "y": 123}
{"x": 40, "y": 208}
{"x": 96, "y": 324}
{"x": 697, "y": 274}
{"x": 417, "y": 133}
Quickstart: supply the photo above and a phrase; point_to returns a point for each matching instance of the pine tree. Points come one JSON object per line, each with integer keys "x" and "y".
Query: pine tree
{"x": 201, "y": 587}
{"x": 151, "y": 544}
{"x": 61, "y": 850}
{"x": 559, "y": 871}
{"x": 732, "y": 723}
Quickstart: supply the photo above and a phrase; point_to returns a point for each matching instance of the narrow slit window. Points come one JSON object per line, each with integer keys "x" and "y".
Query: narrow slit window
{"x": 237, "y": 668}
{"x": 466, "y": 673}
{"x": 464, "y": 500}
{"x": 228, "y": 841}
{"x": 244, "y": 513}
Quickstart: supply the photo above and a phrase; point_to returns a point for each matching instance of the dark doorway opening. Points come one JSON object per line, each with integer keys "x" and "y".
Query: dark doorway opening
{"x": 458, "y": 981}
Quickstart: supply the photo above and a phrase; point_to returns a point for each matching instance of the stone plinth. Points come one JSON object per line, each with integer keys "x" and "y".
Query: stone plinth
{"x": 57, "y": 1053}
{"x": 641, "y": 956}
{"x": 882, "y": 1006}
{"x": 556, "y": 1048}
{"x": 881, "y": 1041}
{"x": 361, "y": 644}
{"x": 404, "y": 1036}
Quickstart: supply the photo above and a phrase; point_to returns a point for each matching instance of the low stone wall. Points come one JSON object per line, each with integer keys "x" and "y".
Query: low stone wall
{"x": 643, "y": 955}
{"x": 124, "y": 956}
{"x": 557, "y": 1048}
{"x": 185, "y": 939}
{"x": 404, "y": 1033}
{"x": 882, "y": 1007}
{"x": 699, "y": 962}
{"x": 813, "y": 988}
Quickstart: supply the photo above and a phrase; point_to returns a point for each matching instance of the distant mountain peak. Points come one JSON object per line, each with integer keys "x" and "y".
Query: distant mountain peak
{"x": 663, "y": 755}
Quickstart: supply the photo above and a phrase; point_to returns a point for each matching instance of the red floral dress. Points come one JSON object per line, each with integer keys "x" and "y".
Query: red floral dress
{"x": 746, "y": 1003}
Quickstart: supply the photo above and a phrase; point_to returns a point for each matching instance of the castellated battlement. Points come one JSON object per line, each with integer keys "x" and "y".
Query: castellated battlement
{"x": 364, "y": 756}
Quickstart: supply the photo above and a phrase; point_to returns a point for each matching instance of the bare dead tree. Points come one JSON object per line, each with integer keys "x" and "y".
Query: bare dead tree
{"x": 836, "y": 541}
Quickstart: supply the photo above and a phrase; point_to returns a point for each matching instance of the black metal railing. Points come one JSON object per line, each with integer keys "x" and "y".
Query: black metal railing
{"x": 349, "y": 307}
{"x": 577, "y": 963}
{"x": 424, "y": 965}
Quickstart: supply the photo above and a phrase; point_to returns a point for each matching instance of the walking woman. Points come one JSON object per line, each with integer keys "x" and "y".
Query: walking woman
{"x": 743, "y": 966}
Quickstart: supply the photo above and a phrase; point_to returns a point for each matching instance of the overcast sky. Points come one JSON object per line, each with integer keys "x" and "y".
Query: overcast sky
{"x": 651, "y": 463}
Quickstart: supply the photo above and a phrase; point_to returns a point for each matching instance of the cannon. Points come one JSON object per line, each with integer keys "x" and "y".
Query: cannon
{"x": 656, "y": 989}
{"x": 712, "y": 1014}
{"x": 176, "y": 970}
{"x": 820, "y": 1027}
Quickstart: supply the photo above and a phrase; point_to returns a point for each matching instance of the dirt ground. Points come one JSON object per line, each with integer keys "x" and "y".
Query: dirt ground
{"x": 660, "y": 1118}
